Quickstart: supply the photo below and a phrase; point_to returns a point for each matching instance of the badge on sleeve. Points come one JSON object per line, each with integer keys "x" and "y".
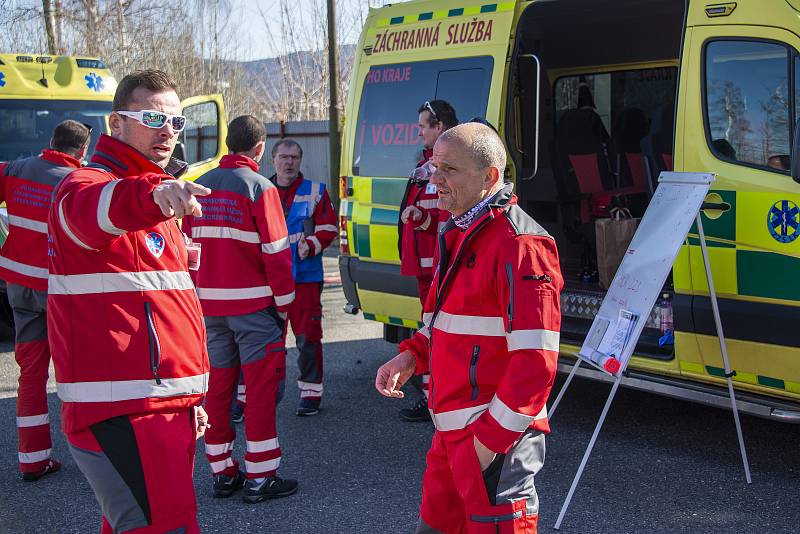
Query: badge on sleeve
{"x": 430, "y": 189}
{"x": 155, "y": 243}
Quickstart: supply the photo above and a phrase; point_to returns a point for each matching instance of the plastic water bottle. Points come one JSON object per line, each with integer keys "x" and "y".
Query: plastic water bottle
{"x": 665, "y": 320}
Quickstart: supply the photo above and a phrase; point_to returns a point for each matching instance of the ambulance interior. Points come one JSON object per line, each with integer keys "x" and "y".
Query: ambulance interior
{"x": 607, "y": 82}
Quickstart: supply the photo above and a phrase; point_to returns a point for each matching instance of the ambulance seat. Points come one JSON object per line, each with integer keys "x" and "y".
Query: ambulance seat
{"x": 629, "y": 129}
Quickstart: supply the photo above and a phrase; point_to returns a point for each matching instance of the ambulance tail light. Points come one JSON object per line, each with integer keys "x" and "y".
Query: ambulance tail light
{"x": 344, "y": 241}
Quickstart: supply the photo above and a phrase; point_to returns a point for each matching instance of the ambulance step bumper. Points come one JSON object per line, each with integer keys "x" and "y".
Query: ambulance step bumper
{"x": 707, "y": 394}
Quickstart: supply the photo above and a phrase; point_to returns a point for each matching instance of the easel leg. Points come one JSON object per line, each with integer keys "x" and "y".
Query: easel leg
{"x": 723, "y": 347}
{"x": 588, "y": 452}
{"x": 563, "y": 390}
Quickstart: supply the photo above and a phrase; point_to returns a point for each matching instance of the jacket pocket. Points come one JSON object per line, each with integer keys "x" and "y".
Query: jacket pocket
{"x": 473, "y": 371}
{"x": 153, "y": 342}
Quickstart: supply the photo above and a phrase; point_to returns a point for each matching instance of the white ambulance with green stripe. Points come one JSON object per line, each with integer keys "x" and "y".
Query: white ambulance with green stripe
{"x": 594, "y": 98}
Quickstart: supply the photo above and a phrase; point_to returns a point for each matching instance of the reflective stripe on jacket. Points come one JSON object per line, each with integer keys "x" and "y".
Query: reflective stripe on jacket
{"x": 125, "y": 327}
{"x": 245, "y": 261}
{"x": 26, "y": 186}
{"x": 492, "y": 322}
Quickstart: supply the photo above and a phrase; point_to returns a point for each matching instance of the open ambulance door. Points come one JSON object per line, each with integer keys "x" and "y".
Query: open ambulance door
{"x": 202, "y": 141}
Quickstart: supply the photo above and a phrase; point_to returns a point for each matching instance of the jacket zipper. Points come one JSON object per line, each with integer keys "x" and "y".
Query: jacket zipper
{"x": 510, "y": 275}
{"x": 153, "y": 342}
{"x": 473, "y": 371}
{"x": 538, "y": 277}
{"x": 440, "y": 287}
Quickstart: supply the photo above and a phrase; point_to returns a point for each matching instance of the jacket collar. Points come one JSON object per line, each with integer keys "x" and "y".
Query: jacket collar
{"x": 295, "y": 183}
{"x": 60, "y": 158}
{"x": 500, "y": 201}
{"x": 124, "y": 160}
{"x": 233, "y": 161}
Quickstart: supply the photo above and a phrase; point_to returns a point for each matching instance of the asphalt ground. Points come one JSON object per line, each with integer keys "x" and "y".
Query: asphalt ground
{"x": 660, "y": 465}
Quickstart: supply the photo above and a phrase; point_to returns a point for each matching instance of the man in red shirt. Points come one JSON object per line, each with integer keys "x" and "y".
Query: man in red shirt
{"x": 26, "y": 186}
{"x": 490, "y": 342}
{"x": 246, "y": 288}
{"x": 311, "y": 222}
{"x": 419, "y": 224}
{"x": 124, "y": 322}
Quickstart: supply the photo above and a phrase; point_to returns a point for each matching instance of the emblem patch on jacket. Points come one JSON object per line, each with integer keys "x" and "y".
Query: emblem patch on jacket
{"x": 430, "y": 189}
{"x": 155, "y": 243}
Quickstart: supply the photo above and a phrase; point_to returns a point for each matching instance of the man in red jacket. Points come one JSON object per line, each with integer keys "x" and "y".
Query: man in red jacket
{"x": 246, "y": 288}
{"x": 419, "y": 223}
{"x": 311, "y": 222}
{"x": 26, "y": 186}
{"x": 126, "y": 329}
{"x": 490, "y": 341}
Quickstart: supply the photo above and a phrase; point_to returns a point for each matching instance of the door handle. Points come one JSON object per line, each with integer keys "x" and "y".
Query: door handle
{"x": 713, "y": 206}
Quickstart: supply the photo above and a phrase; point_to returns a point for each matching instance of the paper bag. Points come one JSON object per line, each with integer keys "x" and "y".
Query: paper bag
{"x": 612, "y": 237}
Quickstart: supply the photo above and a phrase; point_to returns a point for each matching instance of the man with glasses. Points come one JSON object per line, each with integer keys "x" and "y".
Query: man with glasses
{"x": 26, "y": 186}
{"x": 312, "y": 228}
{"x": 126, "y": 330}
{"x": 419, "y": 224}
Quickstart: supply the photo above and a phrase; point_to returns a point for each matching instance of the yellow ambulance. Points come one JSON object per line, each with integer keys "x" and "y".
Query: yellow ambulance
{"x": 594, "y": 98}
{"x": 39, "y": 91}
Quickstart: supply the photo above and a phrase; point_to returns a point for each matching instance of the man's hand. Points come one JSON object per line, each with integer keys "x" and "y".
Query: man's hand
{"x": 485, "y": 456}
{"x": 201, "y": 422}
{"x": 176, "y": 198}
{"x": 393, "y": 374}
{"x": 303, "y": 248}
{"x": 411, "y": 213}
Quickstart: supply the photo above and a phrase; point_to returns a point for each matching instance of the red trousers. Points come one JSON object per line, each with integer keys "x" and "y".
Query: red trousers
{"x": 140, "y": 468}
{"x": 305, "y": 318}
{"x": 457, "y": 497}
{"x": 33, "y": 357}
{"x": 252, "y": 344}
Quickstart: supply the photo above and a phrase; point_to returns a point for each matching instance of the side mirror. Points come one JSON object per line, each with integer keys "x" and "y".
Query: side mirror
{"x": 796, "y": 153}
{"x": 179, "y": 151}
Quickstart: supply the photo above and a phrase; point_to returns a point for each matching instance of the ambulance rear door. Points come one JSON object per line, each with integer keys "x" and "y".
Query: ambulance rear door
{"x": 202, "y": 141}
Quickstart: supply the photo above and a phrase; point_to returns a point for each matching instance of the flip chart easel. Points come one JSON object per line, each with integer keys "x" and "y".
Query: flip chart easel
{"x": 637, "y": 284}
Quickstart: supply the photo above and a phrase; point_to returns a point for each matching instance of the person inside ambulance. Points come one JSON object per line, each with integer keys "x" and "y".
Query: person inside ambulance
{"x": 26, "y": 186}
{"x": 490, "y": 342}
{"x": 246, "y": 288}
{"x": 126, "y": 331}
{"x": 419, "y": 225}
{"x": 311, "y": 221}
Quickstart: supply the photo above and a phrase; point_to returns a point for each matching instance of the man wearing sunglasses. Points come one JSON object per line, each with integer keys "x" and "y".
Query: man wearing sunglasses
{"x": 419, "y": 224}
{"x": 26, "y": 186}
{"x": 127, "y": 333}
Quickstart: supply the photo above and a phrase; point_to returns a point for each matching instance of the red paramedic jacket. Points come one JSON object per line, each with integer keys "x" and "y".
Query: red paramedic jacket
{"x": 125, "y": 326}
{"x": 26, "y": 186}
{"x": 418, "y": 238}
{"x": 245, "y": 263}
{"x": 492, "y": 322}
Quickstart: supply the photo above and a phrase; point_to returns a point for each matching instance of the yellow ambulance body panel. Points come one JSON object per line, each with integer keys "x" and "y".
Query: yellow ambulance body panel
{"x": 39, "y": 91}
{"x": 594, "y": 98}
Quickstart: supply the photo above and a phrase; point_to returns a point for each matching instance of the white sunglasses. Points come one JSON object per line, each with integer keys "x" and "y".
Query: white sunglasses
{"x": 156, "y": 119}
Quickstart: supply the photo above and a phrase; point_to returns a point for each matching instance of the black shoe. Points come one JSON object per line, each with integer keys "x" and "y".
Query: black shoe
{"x": 52, "y": 467}
{"x": 237, "y": 414}
{"x": 269, "y": 488}
{"x": 308, "y": 407}
{"x": 418, "y": 414}
{"x": 225, "y": 486}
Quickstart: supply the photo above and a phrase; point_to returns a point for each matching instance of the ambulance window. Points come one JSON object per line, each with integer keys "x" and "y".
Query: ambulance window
{"x": 200, "y": 137}
{"x": 387, "y": 139}
{"x": 748, "y": 103}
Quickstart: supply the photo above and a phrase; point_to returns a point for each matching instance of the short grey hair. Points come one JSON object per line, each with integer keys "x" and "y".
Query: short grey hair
{"x": 483, "y": 144}
{"x": 288, "y": 142}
